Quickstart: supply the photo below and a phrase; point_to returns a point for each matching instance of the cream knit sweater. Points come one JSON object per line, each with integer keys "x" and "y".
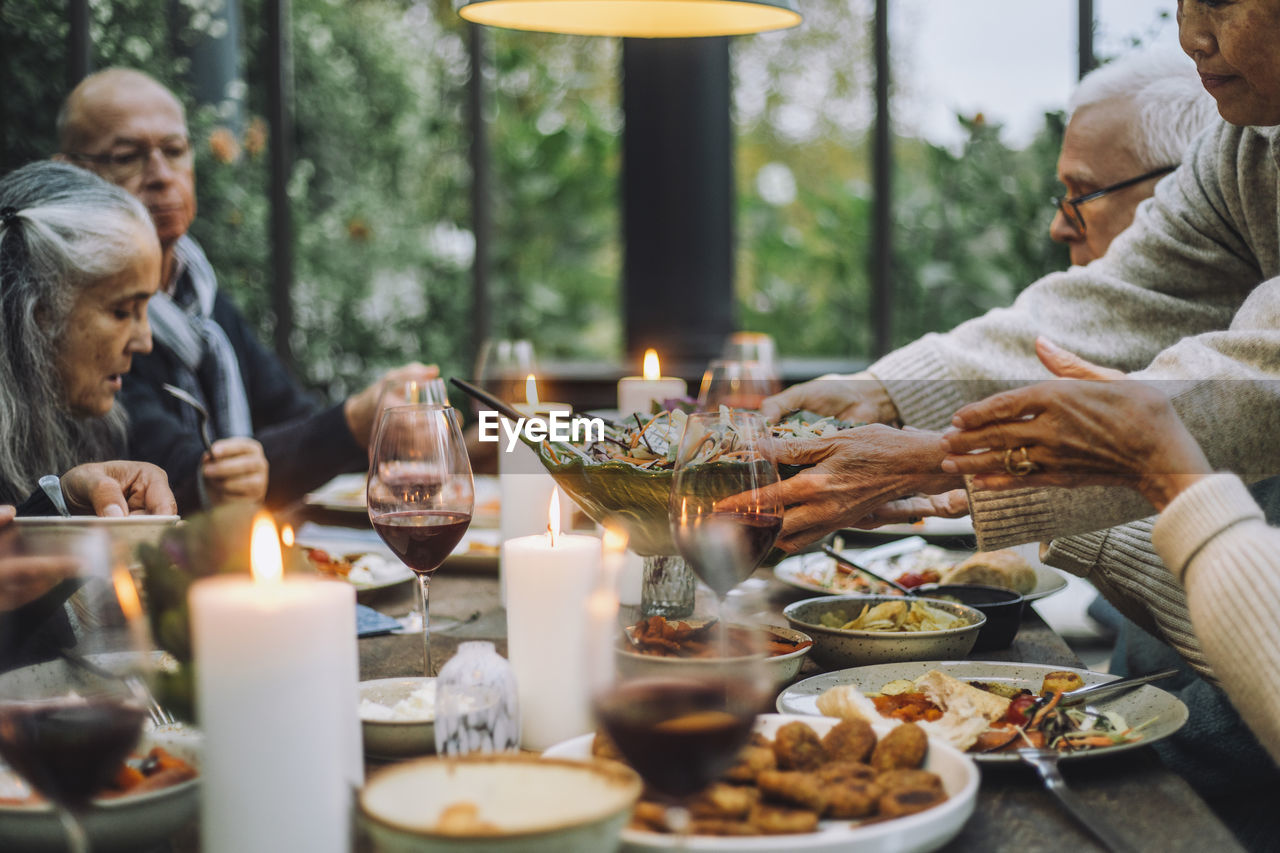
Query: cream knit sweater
{"x": 1189, "y": 296}
{"x": 1214, "y": 539}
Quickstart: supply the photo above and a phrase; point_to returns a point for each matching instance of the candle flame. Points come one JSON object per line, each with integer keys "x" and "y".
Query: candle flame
{"x": 126, "y": 593}
{"x": 265, "y": 560}
{"x": 286, "y": 536}
{"x": 553, "y": 517}
{"x": 652, "y": 370}
{"x": 531, "y": 390}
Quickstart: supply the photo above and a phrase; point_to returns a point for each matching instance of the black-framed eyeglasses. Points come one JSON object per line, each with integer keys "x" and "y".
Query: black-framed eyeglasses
{"x": 1070, "y": 207}
{"x": 125, "y": 164}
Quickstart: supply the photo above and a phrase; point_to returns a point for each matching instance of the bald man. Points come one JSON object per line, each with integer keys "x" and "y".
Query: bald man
{"x": 131, "y": 130}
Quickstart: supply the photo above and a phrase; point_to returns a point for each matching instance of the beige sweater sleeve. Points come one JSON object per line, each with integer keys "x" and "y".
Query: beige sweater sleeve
{"x": 1214, "y": 539}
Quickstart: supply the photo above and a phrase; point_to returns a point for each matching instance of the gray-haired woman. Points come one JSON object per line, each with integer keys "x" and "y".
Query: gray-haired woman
{"x": 78, "y": 261}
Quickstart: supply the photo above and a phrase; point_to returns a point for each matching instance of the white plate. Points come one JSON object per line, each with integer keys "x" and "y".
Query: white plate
{"x": 927, "y": 830}
{"x": 1137, "y": 707}
{"x": 478, "y": 549}
{"x": 930, "y": 527}
{"x": 803, "y": 570}
{"x": 346, "y": 493}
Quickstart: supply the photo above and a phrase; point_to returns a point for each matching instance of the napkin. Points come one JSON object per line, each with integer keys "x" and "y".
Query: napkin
{"x": 371, "y": 623}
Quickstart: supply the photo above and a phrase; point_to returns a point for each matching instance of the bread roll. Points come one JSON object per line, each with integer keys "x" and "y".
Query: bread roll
{"x": 994, "y": 568}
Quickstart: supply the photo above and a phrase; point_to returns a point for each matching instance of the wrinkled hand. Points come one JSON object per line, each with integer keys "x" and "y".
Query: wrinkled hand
{"x": 909, "y": 510}
{"x": 1093, "y": 430}
{"x": 119, "y": 487}
{"x": 361, "y": 409}
{"x": 23, "y": 578}
{"x": 853, "y": 474}
{"x": 235, "y": 471}
{"x": 859, "y": 399}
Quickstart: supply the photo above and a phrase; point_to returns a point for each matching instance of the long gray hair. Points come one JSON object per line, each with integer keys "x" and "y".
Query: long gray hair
{"x": 61, "y": 230}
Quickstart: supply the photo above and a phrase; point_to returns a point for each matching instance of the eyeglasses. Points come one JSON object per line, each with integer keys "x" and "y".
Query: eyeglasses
{"x": 127, "y": 163}
{"x": 1070, "y": 207}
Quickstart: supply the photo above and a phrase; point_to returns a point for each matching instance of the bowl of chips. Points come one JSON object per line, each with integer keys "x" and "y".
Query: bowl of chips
{"x": 856, "y": 630}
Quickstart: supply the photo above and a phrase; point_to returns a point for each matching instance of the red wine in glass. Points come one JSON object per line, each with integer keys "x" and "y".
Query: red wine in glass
{"x": 422, "y": 539}
{"x": 679, "y": 734}
{"x": 724, "y": 548}
{"x": 69, "y": 748}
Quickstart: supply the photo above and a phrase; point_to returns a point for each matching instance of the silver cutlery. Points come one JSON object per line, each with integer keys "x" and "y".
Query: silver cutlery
{"x": 52, "y": 487}
{"x": 178, "y": 394}
{"x": 1111, "y": 688}
{"x": 1045, "y": 762}
{"x": 848, "y": 561}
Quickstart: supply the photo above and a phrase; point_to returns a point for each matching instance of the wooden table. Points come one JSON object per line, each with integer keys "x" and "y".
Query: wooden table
{"x": 1148, "y": 804}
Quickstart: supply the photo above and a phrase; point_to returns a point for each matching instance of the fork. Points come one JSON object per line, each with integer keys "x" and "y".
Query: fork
{"x": 160, "y": 716}
{"x": 1045, "y": 762}
{"x": 178, "y": 394}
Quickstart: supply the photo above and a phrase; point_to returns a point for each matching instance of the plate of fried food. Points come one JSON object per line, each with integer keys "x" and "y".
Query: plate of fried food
{"x": 918, "y": 568}
{"x": 816, "y": 784}
{"x": 990, "y": 709}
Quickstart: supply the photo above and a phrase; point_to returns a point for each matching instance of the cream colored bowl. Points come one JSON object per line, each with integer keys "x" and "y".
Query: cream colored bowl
{"x": 529, "y": 804}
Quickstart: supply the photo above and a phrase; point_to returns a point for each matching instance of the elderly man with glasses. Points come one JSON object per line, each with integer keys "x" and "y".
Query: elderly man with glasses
{"x": 272, "y": 441}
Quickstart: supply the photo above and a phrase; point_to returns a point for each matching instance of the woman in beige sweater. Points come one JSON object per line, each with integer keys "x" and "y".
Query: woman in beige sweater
{"x": 1091, "y": 427}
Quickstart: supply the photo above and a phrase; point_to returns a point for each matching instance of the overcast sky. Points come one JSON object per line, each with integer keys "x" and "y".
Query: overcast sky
{"x": 1010, "y": 59}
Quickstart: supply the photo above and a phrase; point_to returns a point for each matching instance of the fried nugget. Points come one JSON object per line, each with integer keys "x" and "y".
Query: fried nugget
{"x": 904, "y": 746}
{"x": 724, "y": 802}
{"x": 905, "y": 801}
{"x": 752, "y": 760}
{"x": 849, "y": 740}
{"x": 713, "y": 826}
{"x": 797, "y": 747}
{"x": 602, "y": 746}
{"x": 842, "y": 771}
{"x": 780, "y": 820}
{"x": 896, "y": 780}
{"x": 852, "y": 798}
{"x": 794, "y": 788}
{"x": 649, "y": 816}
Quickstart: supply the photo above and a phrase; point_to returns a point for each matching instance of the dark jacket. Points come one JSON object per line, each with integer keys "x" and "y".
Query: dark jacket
{"x": 304, "y": 447}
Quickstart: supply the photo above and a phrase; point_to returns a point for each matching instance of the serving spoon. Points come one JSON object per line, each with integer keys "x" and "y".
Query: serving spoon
{"x": 848, "y": 561}
{"x": 178, "y": 394}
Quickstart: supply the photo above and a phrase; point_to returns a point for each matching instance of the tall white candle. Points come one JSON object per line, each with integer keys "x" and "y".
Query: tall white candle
{"x": 549, "y": 579}
{"x": 276, "y": 699}
{"x": 523, "y": 483}
{"x": 639, "y": 393}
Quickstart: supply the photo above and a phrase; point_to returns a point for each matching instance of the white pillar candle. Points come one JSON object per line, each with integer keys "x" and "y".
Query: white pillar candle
{"x": 549, "y": 580}
{"x": 639, "y": 393}
{"x": 276, "y": 699}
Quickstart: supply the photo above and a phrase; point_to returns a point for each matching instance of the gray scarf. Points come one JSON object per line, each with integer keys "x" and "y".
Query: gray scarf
{"x": 184, "y": 324}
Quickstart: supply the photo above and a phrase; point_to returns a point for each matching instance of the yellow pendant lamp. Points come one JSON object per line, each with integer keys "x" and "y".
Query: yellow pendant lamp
{"x": 635, "y": 18}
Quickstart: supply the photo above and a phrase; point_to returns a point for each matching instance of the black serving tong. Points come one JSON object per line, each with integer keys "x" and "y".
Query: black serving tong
{"x": 506, "y": 410}
{"x": 848, "y": 561}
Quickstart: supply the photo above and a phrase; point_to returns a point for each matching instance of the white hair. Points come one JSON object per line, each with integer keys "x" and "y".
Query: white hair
{"x": 1170, "y": 105}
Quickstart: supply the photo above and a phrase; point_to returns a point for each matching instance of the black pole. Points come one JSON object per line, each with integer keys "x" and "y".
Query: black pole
{"x": 279, "y": 118}
{"x": 481, "y": 213}
{"x": 1084, "y": 40}
{"x": 79, "y": 43}
{"x": 882, "y": 189}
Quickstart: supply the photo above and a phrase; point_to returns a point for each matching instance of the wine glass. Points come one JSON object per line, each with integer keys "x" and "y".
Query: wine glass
{"x": 420, "y": 494}
{"x": 405, "y": 392}
{"x": 727, "y": 455}
{"x": 502, "y": 366}
{"x": 73, "y": 694}
{"x": 736, "y": 384}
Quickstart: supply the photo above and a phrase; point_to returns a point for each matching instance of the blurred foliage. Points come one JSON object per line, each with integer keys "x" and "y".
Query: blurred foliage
{"x": 381, "y": 186}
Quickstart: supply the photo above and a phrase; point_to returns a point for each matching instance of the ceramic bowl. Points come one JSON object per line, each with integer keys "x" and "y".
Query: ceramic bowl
{"x": 125, "y": 532}
{"x": 782, "y": 668}
{"x": 1002, "y": 607}
{"x": 396, "y": 738}
{"x": 837, "y": 648}
{"x": 523, "y": 804}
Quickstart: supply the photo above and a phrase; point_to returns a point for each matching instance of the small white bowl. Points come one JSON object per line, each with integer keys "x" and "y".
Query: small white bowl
{"x": 396, "y": 738}
{"x": 532, "y": 804}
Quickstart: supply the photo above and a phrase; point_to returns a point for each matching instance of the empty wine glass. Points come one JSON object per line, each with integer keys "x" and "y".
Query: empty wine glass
{"x": 752, "y": 346}
{"x": 502, "y": 366}
{"x": 724, "y": 518}
{"x": 420, "y": 495}
{"x": 736, "y": 384}
{"x": 73, "y": 694}
{"x": 405, "y": 392}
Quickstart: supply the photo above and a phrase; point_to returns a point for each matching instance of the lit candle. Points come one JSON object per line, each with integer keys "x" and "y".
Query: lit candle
{"x": 639, "y": 393}
{"x": 523, "y": 484}
{"x": 550, "y": 578}
{"x": 276, "y": 697}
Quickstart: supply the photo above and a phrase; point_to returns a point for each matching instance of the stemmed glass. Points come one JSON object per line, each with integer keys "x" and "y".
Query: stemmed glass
{"x": 736, "y": 384}
{"x": 722, "y": 456}
{"x": 73, "y": 696}
{"x": 420, "y": 495}
{"x": 406, "y": 392}
{"x": 502, "y": 366}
